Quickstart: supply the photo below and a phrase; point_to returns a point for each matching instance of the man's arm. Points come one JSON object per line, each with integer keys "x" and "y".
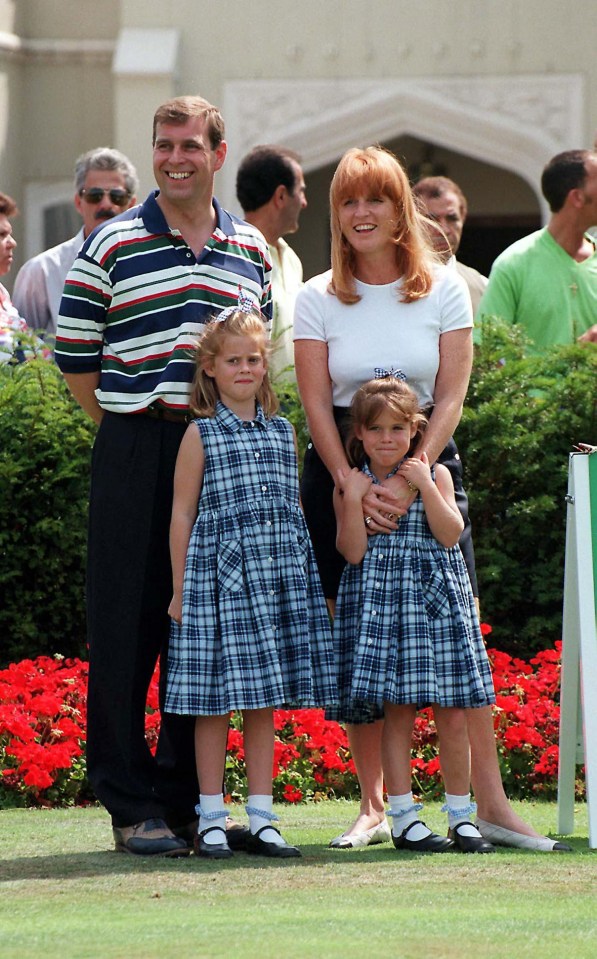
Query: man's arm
{"x": 83, "y": 387}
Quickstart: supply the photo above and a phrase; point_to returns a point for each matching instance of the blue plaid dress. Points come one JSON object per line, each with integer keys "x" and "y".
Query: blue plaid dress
{"x": 255, "y": 627}
{"x": 406, "y": 628}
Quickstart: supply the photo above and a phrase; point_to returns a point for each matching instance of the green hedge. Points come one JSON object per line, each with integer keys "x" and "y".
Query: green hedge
{"x": 522, "y": 417}
{"x": 45, "y": 444}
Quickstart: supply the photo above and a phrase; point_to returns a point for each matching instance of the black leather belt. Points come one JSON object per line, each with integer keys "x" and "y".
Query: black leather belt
{"x": 169, "y": 416}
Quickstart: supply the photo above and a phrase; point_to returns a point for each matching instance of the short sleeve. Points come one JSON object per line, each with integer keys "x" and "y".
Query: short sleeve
{"x": 455, "y": 302}
{"x": 310, "y": 309}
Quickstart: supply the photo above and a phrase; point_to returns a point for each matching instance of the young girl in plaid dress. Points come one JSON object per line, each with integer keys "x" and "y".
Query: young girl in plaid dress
{"x": 406, "y": 627}
{"x": 250, "y": 626}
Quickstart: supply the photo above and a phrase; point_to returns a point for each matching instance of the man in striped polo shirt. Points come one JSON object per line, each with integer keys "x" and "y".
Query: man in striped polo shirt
{"x": 140, "y": 290}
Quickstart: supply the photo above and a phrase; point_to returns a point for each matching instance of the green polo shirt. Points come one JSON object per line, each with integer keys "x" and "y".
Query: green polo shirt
{"x": 536, "y": 284}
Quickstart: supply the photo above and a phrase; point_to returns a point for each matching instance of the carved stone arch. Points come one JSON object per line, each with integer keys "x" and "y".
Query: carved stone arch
{"x": 516, "y": 122}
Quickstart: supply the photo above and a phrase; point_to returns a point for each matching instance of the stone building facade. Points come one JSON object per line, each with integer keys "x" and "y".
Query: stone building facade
{"x": 485, "y": 91}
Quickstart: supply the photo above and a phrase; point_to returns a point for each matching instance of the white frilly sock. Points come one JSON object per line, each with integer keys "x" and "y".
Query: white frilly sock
{"x": 460, "y": 809}
{"x": 405, "y": 811}
{"x": 259, "y": 809}
{"x": 211, "y": 812}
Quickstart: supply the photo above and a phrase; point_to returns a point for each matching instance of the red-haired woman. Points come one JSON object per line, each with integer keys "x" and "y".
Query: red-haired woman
{"x": 388, "y": 305}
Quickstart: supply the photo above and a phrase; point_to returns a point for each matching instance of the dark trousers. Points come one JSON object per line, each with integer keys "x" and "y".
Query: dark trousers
{"x": 317, "y": 489}
{"x": 129, "y": 587}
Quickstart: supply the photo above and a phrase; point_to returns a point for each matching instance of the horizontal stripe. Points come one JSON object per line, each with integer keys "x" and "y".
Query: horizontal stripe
{"x": 137, "y": 298}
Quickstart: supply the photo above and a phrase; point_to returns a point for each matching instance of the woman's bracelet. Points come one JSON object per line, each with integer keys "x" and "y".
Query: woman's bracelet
{"x": 411, "y": 486}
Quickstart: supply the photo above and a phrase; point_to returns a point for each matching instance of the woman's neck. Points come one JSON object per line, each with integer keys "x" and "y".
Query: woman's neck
{"x": 376, "y": 271}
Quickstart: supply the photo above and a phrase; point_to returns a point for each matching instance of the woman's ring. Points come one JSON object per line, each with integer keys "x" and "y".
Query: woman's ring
{"x": 368, "y": 520}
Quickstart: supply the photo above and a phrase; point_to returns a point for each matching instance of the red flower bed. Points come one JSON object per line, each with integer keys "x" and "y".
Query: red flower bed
{"x": 42, "y": 737}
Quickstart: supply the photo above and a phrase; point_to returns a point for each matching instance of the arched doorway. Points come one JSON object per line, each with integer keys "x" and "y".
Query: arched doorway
{"x": 487, "y": 127}
{"x": 502, "y": 206}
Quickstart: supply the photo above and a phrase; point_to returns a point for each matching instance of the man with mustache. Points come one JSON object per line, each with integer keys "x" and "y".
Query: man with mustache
{"x": 106, "y": 183}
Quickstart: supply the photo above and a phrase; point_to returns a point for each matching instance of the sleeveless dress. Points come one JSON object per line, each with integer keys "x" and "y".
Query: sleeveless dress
{"x": 255, "y": 630}
{"x": 406, "y": 628}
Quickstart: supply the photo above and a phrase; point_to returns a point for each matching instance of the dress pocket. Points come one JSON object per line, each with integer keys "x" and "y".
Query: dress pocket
{"x": 230, "y": 566}
{"x": 435, "y": 596}
{"x": 302, "y": 544}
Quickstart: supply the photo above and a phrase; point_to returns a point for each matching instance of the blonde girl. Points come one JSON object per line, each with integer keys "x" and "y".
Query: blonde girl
{"x": 250, "y": 628}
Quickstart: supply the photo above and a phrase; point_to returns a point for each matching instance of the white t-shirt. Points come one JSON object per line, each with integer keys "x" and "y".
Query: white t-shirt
{"x": 381, "y": 332}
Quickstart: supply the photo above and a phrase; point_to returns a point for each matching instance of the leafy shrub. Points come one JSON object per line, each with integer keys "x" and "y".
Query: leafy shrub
{"x": 45, "y": 445}
{"x": 523, "y": 415}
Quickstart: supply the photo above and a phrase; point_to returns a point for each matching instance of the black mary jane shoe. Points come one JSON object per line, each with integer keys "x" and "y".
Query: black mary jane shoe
{"x": 430, "y": 843}
{"x": 261, "y": 847}
{"x": 214, "y": 850}
{"x": 469, "y": 843}
{"x": 236, "y": 835}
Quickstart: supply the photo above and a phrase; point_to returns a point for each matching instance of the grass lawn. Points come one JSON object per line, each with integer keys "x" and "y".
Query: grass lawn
{"x": 64, "y": 894}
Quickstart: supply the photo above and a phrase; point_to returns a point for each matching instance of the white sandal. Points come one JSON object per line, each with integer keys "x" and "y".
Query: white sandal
{"x": 371, "y": 837}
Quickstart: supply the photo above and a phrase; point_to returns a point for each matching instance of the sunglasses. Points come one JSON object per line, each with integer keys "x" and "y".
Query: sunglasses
{"x": 95, "y": 195}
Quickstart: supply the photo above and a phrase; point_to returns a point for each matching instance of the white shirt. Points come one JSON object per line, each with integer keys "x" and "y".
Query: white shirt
{"x": 287, "y": 279}
{"x": 40, "y": 282}
{"x": 382, "y": 332}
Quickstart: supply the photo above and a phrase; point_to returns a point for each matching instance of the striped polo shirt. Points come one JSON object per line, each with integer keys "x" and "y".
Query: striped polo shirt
{"x": 137, "y": 297}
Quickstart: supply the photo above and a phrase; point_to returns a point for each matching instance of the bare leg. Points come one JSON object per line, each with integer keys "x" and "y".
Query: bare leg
{"x": 396, "y": 747}
{"x": 365, "y": 746}
{"x": 211, "y": 735}
{"x": 454, "y": 755}
{"x": 492, "y": 803}
{"x": 258, "y": 729}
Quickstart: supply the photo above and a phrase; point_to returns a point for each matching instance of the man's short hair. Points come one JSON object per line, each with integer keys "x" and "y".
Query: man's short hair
{"x": 261, "y": 172}
{"x": 181, "y": 109}
{"x": 434, "y": 187}
{"x": 8, "y": 206}
{"x": 564, "y": 172}
{"x": 104, "y": 158}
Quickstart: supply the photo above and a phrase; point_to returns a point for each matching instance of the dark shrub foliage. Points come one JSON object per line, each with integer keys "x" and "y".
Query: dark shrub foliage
{"x": 45, "y": 448}
{"x": 523, "y": 415}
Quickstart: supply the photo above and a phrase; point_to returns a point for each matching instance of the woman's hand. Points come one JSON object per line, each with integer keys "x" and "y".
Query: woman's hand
{"x": 383, "y": 507}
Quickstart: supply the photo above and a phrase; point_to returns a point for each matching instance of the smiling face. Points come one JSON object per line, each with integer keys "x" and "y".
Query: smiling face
{"x": 368, "y": 223}
{"x": 7, "y": 245}
{"x": 184, "y": 162}
{"x": 238, "y": 370}
{"x": 386, "y": 441}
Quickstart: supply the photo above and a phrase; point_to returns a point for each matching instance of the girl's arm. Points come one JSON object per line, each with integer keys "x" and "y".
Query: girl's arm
{"x": 351, "y": 532}
{"x": 443, "y": 515}
{"x": 188, "y": 480}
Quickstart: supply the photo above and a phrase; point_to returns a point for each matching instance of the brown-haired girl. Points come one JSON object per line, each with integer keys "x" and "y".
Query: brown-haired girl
{"x": 406, "y": 628}
{"x": 250, "y": 628}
